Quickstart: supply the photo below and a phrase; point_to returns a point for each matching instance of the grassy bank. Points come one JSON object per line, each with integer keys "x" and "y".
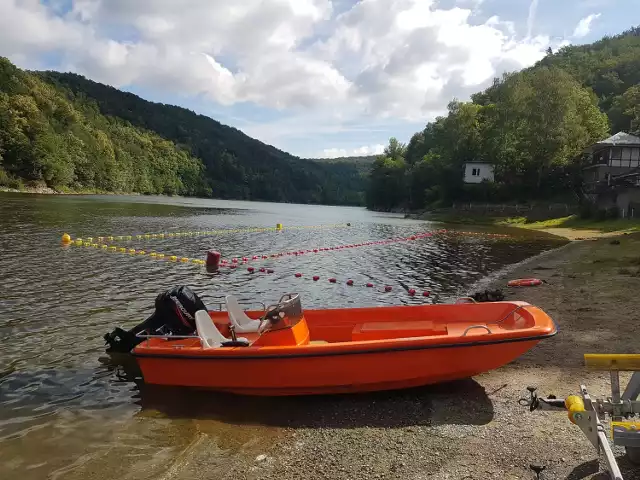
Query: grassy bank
{"x": 571, "y": 227}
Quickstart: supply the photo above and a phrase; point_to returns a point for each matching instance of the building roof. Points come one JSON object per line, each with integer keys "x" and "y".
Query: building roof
{"x": 620, "y": 138}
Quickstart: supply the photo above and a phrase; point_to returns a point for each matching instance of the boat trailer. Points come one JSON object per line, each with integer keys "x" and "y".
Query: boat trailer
{"x": 624, "y": 409}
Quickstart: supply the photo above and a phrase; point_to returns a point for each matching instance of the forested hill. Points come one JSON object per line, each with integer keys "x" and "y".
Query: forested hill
{"x": 531, "y": 126}
{"x": 46, "y": 138}
{"x": 236, "y": 165}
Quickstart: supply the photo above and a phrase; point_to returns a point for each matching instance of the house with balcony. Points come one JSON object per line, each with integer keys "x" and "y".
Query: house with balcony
{"x": 612, "y": 177}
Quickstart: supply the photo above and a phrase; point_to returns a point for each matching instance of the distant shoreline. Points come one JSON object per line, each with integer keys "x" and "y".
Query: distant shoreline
{"x": 43, "y": 190}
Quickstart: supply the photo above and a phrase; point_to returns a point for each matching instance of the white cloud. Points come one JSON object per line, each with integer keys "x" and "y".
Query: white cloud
{"x": 355, "y": 152}
{"x": 385, "y": 59}
{"x": 531, "y": 18}
{"x": 584, "y": 25}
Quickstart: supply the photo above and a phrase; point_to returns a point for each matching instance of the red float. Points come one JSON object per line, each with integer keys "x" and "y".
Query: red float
{"x": 350, "y": 282}
{"x": 316, "y": 278}
{"x": 298, "y": 275}
{"x": 332, "y": 280}
{"x": 387, "y": 288}
{"x": 213, "y": 259}
{"x": 412, "y": 291}
{"x": 370, "y": 285}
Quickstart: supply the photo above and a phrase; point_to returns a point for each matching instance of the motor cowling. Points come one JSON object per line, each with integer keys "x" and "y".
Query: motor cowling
{"x": 174, "y": 314}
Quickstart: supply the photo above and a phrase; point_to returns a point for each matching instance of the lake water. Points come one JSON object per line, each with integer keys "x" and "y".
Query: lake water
{"x": 67, "y": 410}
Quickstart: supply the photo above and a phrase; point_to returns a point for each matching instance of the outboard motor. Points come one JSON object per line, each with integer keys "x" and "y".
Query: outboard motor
{"x": 174, "y": 315}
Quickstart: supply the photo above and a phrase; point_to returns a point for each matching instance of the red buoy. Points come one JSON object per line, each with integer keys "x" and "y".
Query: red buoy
{"x": 332, "y": 280}
{"x": 213, "y": 259}
{"x": 412, "y": 291}
{"x": 387, "y": 288}
{"x": 298, "y": 275}
{"x": 235, "y": 260}
{"x": 255, "y": 257}
{"x": 245, "y": 259}
{"x": 349, "y": 282}
{"x": 262, "y": 269}
{"x": 370, "y": 285}
{"x": 269, "y": 270}
{"x": 316, "y": 278}
{"x": 315, "y": 250}
{"x": 426, "y": 293}
{"x": 250, "y": 269}
{"x": 265, "y": 256}
{"x": 232, "y": 266}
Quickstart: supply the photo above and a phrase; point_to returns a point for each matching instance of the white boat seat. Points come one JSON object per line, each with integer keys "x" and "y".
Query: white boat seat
{"x": 210, "y": 336}
{"x": 238, "y": 318}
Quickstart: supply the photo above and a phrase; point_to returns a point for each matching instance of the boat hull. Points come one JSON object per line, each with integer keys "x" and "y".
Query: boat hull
{"x": 318, "y": 373}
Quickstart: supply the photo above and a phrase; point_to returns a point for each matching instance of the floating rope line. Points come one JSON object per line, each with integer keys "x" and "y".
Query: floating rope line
{"x": 234, "y": 262}
{"x": 66, "y": 238}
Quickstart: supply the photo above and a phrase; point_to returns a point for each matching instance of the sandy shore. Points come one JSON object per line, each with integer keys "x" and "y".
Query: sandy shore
{"x": 472, "y": 429}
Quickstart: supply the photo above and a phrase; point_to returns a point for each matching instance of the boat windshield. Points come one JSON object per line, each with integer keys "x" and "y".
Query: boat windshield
{"x": 285, "y": 314}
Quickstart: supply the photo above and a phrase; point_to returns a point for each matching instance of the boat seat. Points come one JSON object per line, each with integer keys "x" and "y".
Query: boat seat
{"x": 210, "y": 336}
{"x": 238, "y": 318}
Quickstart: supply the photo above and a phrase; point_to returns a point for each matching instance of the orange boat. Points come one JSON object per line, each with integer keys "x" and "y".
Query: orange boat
{"x": 285, "y": 351}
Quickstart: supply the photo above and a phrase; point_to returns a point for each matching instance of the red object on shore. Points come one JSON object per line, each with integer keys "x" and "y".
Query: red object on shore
{"x": 213, "y": 259}
{"x": 524, "y": 282}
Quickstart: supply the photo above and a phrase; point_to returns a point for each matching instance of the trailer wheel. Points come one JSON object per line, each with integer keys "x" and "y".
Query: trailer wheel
{"x": 634, "y": 454}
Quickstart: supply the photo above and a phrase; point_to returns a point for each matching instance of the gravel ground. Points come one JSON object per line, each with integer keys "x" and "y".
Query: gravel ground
{"x": 473, "y": 429}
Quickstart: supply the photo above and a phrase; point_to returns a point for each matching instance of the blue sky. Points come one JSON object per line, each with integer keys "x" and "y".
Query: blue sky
{"x": 311, "y": 77}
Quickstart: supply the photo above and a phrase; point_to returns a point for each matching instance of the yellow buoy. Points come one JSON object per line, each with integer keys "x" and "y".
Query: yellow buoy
{"x": 113, "y": 249}
{"x": 142, "y": 252}
{"x": 95, "y": 245}
{"x": 138, "y": 237}
{"x": 161, "y": 255}
{"x": 278, "y": 226}
{"x": 101, "y": 239}
{"x": 87, "y": 244}
{"x": 128, "y": 237}
{"x": 66, "y": 238}
{"x": 173, "y": 258}
{"x": 90, "y": 239}
{"x": 132, "y": 250}
{"x": 161, "y": 235}
{"x": 184, "y": 259}
{"x": 103, "y": 246}
{"x": 110, "y": 238}
{"x": 153, "y": 254}
{"x": 79, "y": 241}
{"x": 122, "y": 250}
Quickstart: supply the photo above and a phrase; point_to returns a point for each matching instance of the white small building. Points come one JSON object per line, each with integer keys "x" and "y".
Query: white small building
{"x": 477, "y": 172}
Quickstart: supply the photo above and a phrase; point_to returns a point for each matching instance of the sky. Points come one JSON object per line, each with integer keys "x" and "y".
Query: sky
{"x": 315, "y": 78}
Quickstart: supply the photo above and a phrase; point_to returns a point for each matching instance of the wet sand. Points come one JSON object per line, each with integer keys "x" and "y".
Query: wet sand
{"x": 473, "y": 429}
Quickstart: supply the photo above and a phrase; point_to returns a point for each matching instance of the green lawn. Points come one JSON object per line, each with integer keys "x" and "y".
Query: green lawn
{"x": 574, "y": 222}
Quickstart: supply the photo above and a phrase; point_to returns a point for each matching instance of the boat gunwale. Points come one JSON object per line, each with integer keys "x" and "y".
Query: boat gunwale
{"x": 319, "y": 351}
